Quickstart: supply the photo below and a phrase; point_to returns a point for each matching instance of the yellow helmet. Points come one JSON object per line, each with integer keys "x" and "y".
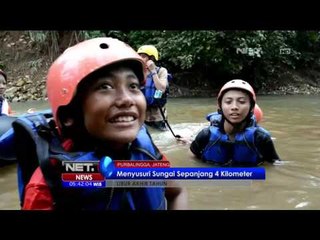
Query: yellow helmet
{"x": 150, "y": 50}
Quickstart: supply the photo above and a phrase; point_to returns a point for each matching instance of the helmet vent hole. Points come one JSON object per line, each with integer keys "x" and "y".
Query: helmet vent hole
{"x": 104, "y": 46}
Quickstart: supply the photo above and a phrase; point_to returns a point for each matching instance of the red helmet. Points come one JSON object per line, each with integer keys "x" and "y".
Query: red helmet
{"x": 79, "y": 61}
{"x": 257, "y": 111}
{"x": 237, "y": 84}
{"x": 3, "y": 74}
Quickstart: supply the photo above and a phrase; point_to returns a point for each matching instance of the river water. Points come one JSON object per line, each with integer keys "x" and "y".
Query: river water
{"x": 293, "y": 122}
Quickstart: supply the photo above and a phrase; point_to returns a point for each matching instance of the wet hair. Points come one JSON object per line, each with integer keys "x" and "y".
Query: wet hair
{"x": 153, "y": 58}
{"x": 134, "y": 65}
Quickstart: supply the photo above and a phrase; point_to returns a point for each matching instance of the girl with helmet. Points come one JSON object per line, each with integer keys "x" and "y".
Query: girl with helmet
{"x": 237, "y": 139}
{"x": 99, "y": 110}
{"x": 4, "y": 106}
{"x": 155, "y": 89}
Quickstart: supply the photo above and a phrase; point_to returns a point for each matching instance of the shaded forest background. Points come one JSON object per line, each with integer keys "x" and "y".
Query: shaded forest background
{"x": 274, "y": 62}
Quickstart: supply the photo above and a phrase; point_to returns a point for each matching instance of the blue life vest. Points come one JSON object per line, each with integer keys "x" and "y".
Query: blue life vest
{"x": 149, "y": 91}
{"x": 240, "y": 152}
{"x": 37, "y": 144}
{"x": 6, "y": 139}
{"x": 7, "y": 146}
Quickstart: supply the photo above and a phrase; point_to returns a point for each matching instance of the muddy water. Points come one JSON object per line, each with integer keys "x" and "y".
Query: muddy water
{"x": 293, "y": 122}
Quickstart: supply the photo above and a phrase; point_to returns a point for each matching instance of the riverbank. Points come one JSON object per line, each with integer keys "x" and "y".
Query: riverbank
{"x": 24, "y": 87}
{"x": 26, "y": 67}
{"x": 290, "y": 89}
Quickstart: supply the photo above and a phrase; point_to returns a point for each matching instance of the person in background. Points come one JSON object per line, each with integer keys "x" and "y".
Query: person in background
{"x": 237, "y": 139}
{"x": 155, "y": 89}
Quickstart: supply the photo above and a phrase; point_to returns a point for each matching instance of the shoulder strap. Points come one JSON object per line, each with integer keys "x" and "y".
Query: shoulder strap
{"x": 144, "y": 144}
{"x": 32, "y": 136}
{"x": 7, "y": 150}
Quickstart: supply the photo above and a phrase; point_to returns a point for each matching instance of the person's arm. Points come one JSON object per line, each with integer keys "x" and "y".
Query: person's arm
{"x": 177, "y": 197}
{"x": 200, "y": 142}
{"x": 160, "y": 78}
{"x": 266, "y": 147}
{"x": 37, "y": 193}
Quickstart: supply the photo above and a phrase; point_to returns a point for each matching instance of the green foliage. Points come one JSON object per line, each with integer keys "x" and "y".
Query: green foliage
{"x": 256, "y": 55}
{"x": 47, "y": 41}
{"x": 35, "y": 65}
{"x": 92, "y": 34}
{"x": 51, "y": 41}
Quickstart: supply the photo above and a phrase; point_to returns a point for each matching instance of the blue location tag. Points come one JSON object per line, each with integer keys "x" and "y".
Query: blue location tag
{"x": 106, "y": 167}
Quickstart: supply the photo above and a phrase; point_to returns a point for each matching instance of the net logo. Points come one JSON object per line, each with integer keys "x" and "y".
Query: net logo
{"x": 82, "y": 174}
{"x": 285, "y": 51}
{"x": 249, "y": 51}
{"x": 81, "y": 167}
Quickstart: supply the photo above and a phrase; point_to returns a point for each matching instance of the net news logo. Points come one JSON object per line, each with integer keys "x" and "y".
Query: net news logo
{"x": 81, "y": 167}
{"x": 258, "y": 51}
{"x": 285, "y": 51}
{"x": 82, "y": 174}
{"x": 249, "y": 51}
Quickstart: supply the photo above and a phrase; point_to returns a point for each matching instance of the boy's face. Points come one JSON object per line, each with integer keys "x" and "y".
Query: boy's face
{"x": 3, "y": 85}
{"x": 114, "y": 108}
{"x": 235, "y": 105}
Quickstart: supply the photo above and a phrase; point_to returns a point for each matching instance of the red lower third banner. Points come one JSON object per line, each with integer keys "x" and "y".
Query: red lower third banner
{"x": 141, "y": 164}
{"x": 82, "y": 177}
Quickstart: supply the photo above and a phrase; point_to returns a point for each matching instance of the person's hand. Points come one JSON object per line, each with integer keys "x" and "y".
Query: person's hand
{"x": 151, "y": 66}
{"x": 31, "y": 110}
{"x": 184, "y": 140}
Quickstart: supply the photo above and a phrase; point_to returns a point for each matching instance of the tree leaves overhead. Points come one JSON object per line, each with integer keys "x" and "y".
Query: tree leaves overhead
{"x": 257, "y": 54}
